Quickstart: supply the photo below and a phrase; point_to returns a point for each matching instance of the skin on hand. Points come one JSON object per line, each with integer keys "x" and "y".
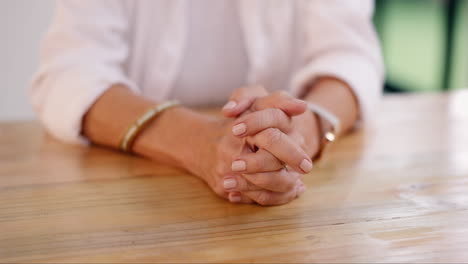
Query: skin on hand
{"x": 265, "y": 188}
{"x": 262, "y": 113}
{"x": 265, "y": 115}
{"x": 274, "y": 122}
{"x": 244, "y": 99}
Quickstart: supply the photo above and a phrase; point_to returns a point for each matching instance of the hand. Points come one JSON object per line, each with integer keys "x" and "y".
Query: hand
{"x": 265, "y": 188}
{"x": 277, "y": 113}
{"x": 263, "y": 113}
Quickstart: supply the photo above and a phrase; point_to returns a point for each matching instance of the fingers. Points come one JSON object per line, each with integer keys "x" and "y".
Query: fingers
{"x": 237, "y": 197}
{"x": 245, "y": 191}
{"x": 232, "y": 195}
{"x": 257, "y": 98}
{"x": 241, "y": 100}
{"x": 281, "y": 100}
{"x": 283, "y": 148}
{"x": 260, "y": 161}
{"x": 267, "y": 198}
{"x": 252, "y": 123}
{"x": 238, "y": 183}
{"x": 276, "y": 181}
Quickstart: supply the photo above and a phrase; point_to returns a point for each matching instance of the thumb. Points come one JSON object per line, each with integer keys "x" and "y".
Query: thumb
{"x": 281, "y": 100}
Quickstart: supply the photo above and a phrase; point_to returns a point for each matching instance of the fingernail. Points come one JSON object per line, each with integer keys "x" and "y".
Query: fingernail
{"x": 229, "y": 105}
{"x": 239, "y": 129}
{"x": 238, "y": 165}
{"x": 229, "y": 183}
{"x": 234, "y": 199}
{"x": 306, "y": 165}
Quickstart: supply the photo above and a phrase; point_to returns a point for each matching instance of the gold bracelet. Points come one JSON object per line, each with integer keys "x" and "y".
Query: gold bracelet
{"x": 134, "y": 129}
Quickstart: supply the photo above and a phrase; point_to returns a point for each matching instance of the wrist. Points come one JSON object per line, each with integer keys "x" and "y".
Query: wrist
{"x": 310, "y": 130}
{"x": 170, "y": 138}
{"x": 337, "y": 97}
{"x": 203, "y": 146}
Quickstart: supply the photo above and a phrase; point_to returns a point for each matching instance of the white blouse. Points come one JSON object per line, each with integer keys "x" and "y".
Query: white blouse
{"x": 198, "y": 52}
{"x": 214, "y": 60}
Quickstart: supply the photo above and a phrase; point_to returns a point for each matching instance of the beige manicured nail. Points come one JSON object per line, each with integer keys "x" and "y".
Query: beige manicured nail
{"x": 239, "y": 129}
{"x": 229, "y": 183}
{"x": 229, "y": 105}
{"x": 238, "y": 165}
{"x": 306, "y": 165}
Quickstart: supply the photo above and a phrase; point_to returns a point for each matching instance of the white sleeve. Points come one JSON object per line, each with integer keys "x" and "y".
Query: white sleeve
{"x": 81, "y": 56}
{"x": 338, "y": 39}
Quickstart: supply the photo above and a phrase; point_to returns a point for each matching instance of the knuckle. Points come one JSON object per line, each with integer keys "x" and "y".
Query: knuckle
{"x": 257, "y": 164}
{"x": 282, "y": 187}
{"x": 284, "y": 182}
{"x": 251, "y": 187}
{"x": 264, "y": 198}
{"x": 289, "y": 185}
{"x": 286, "y": 198}
{"x": 248, "y": 119}
{"x": 299, "y": 182}
{"x": 278, "y": 114}
{"x": 242, "y": 184}
{"x": 300, "y": 141}
{"x": 261, "y": 181}
{"x": 272, "y": 136}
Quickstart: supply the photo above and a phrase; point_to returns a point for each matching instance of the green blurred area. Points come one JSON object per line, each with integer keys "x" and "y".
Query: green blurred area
{"x": 413, "y": 34}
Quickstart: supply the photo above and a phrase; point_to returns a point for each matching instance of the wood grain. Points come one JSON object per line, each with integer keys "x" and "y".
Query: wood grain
{"x": 395, "y": 191}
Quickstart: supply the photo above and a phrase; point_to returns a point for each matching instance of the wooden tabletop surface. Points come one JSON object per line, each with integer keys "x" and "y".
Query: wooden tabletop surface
{"x": 396, "y": 191}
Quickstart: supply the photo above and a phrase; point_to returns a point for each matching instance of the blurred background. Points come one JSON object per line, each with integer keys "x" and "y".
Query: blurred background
{"x": 425, "y": 44}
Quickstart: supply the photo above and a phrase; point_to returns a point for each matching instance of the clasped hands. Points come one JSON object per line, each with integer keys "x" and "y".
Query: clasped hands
{"x": 263, "y": 148}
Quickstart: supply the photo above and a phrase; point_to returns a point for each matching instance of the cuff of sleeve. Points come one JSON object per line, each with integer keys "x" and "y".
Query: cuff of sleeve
{"x": 363, "y": 77}
{"x": 69, "y": 100}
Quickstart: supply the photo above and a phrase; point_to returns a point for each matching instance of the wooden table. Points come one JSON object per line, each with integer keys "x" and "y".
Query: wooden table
{"x": 393, "y": 192}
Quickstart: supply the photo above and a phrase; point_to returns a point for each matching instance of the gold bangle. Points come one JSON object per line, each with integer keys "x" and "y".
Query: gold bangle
{"x": 134, "y": 129}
